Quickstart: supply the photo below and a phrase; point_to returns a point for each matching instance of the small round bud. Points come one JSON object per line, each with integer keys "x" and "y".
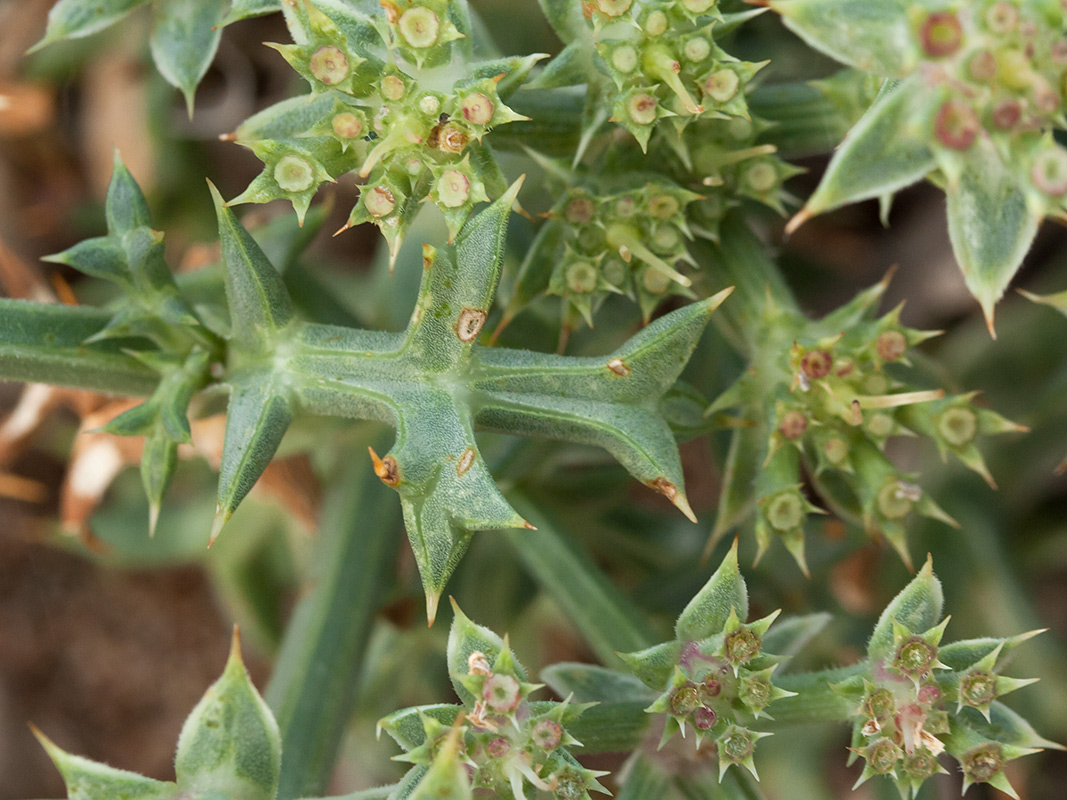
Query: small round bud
{"x": 921, "y": 764}
{"x": 704, "y": 719}
{"x": 614, "y": 271}
{"x": 429, "y": 105}
{"x": 654, "y": 281}
{"x": 501, "y": 693}
{"x": 722, "y": 86}
{"x": 666, "y": 239}
{"x": 499, "y": 747}
{"x": 453, "y": 188}
{"x": 957, "y": 125}
{"x": 684, "y": 700}
{"x": 958, "y": 426}
{"x": 741, "y": 646}
{"x": 581, "y": 277}
{"x": 836, "y": 451}
{"x": 656, "y": 23}
{"x": 1002, "y": 17}
{"x": 626, "y": 207}
{"x": 477, "y": 109}
{"x": 697, "y": 6}
{"x": 941, "y": 34}
{"x": 880, "y": 425}
{"x": 915, "y": 657}
{"x": 570, "y": 785}
{"x": 983, "y": 763}
{"x": 624, "y": 58}
{"x": 1007, "y": 114}
{"x": 347, "y": 125}
{"x": 580, "y": 210}
{"x": 663, "y": 206}
{"x": 413, "y": 167}
{"x": 419, "y": 26}
{"x": 740, "y": 129}
{"x": 876, "y": 383}
{"x": 793, "y": 425}
{"x": 329, "y": 65}
{"x": 978, "y": 690}
{"x": 756, "y": 694}
{"x": 379, "y": 202}
{"x": 547, "y": 734}
{"x": 697, "y": 49}
{"x": 710, "y": 689}
{"x": 1058, "y": 51}
{"x": 882, "y": 756}
{"x": 785, "y": 512}
{"x": 891, "y": 345}
{"x": 894, "y": 501}
{"x": 879, "y": 704}
{"x": 392, "y": 87}
{"x": 816, "y": 364}
{"x": 761, "y": 177}
{"x": 929, "y": 694}
{"x": 983, "y": 66}
{"x": 450, "y": 139}
{"x": 1050, "y": 171}
{"x": 736, "y": 746}
{"x": 642, "y": 108}
{"x": 613, "y": 8}
{"x": 294, "y": 174}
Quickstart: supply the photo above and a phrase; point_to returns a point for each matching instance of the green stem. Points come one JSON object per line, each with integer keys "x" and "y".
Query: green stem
{"x": 807, "y": 121}
{"x": 815, "y": 700}
{"x": 313, "y": 689}
{"x": 608, "y": 620}
{"x": 612, "y": 727}
{"x": 43, "y": 343}
{"x": 735, "y": 785}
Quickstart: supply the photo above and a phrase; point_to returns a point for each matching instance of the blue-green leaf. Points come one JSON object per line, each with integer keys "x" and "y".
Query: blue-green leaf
{"x": 185, "y": 37}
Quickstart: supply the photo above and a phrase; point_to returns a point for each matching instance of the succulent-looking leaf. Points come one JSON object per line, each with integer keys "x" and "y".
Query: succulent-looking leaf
{"x": 707, "y": 612}
{"x": 918, "y": 607}
{"x": 77, "y": 18}
{"x": 185, "y": 37}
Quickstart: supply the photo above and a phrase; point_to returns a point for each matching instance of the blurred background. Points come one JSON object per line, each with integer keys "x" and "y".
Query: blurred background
{"x": 107, "y": 638}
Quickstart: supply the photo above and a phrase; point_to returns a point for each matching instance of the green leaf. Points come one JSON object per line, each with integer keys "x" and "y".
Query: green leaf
{"x": 464, "y": 639}
{"x": 77, "y": 18}
{"x": 723, "y": 594}
{"x": 567, "y": 21}
{"x": 654, "y": 665}
{"x": 230, "y": 742}
{"x": 883, "y": 153}
{"x": 990, "y": 224}
{"x": 592, "y": 684}
{"x": 870, "y": 36}
{"x": 645, "y": 779}
{"x": 406, "y": 728}
{"x": 88, "y": 780}
{"x": 790, "y": 634}
{"x": 243, "y": 9}
{"x": 126, "y": 207}
{"x": 917, "y": 607}
{"x": 185, "y": 37}
{"x": 259, "y": 305}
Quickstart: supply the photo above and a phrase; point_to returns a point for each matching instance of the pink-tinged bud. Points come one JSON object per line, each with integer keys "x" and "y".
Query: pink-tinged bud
{"x": 978, "y": 690}
{"x": 704, "y": 719}
{"x": 1045, "y": 97}
{"x": 581, "y": 277}
{"x": 379, "y": 202}
{"x": 741, "y": 646}
{"x": 958, "y": 426}
{"x": 580, "y": 210}
{"x": 941, "y": 34}
{"x": 915, "y": 657}
{"x": 547, "y": 734}
{"x": 392, "y": 87}
{"x": 663, "y": 206}
{"x": 453, "y": 188}
{"x": 419, "y": 26}
{"x": 1007, "y": 114}
{"x": 983, "y": 763}
{"x": 793, "y": 425}
{"x": 684, "y": 700}
{"x": 1049, "y": 173}
{"x": 501, "y": 693}
{"x": 891, "y": 345}
{"x": 347, "y": 125}
{"x": 1058, "y": 51}
{"x": 499, "y": 747}
{"x": 642, "y": 108}
{"x": 983, "y": 66}
{"x": 710, "y": 689}
{"x": 929, "y": 694}
{"x": 882, "y": 756}
{"x": 957, "y": 125}
{"x": 329, "y": 65}
{"x": 1002, "y": 17}
{"x": 816, "y": 364}
{"x": 722, "y": 86}
{"x": 477, "y": 109}
{"x": 294, "y": 174}
{"x": 613, "y": 8}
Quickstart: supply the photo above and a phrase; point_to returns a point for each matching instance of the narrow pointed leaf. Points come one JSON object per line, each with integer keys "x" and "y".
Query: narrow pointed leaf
{"x": 707, "y": 612}
{"x": 89, "y": 780}
{"x": 77, "y": 18}
{"x": 917, "y": 607}
{"x": 185, "y": 37}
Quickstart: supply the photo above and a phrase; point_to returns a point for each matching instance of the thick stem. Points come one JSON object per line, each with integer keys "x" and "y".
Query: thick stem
{"x": 806, "y": 121}
{"x": 313, "y": 689}
{"x": 815, "y": 700}
{"x": 42, "y": 342}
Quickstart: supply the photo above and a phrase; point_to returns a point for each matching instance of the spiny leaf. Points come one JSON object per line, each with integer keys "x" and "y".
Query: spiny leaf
{"x": 707, "y": 612}
{"x": 918, "y": 608}
{"x": 185, "y": 37}
{"x": 76, "y": 18}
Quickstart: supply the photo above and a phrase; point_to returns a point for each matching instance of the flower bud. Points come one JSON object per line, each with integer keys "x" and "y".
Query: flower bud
{"x": 736, "y": 746}
{"x": 654, "y": 281}
{"x": 697, "y": 6}
{"x": 697, "y": 49}
{"x": 624, "y": 58}
{"x": 477, "y": 109}
{"x": 453, "y": 188}
{"x": 663, "y": 206}
{"x": 978, "y": 689}
{"x": 722, "y": 85}
{"x": 741, "y": 646}
{"x": 879, "y": 703}
{"x": 793, "y": 425}
{"x": 816, "y": 364}
{"x": 882, "y": 756}
{"x": 1002, "y": 17}
{"x": 983, "y": 763}
{"x": 915, "y": 657}
{"x": 957, "y": 125}
{"x": 379, "y": 201}
{"x": 941, "y": 34}
{"x": 614, "y": 271}
{"x": 666, "y": 239}
{"x": 347, "y": 125}
{"x": 581, "y": 277}
{"x": 294, "y": 174}
{"x": 895, "y": 500}
{"x": 761, "y": 177}
{"x": 921, "y": 764}
{"x": 329, "y": 65}
{"x": 1049, "y": 172}
{"x": 419, "y": 26}
{"x": 656, "y": 23}
{"x": 684, "y": 700}
{"x": 547, "y": 734}
{"x": 642, "y": 108}
{"x": 958, "y": 426}
{"x": 983, "y": 66}
{"x": 880, "y": 425}
{"x": 1006, "y": 114}
{"x": 836, "y": 451}
{"x": 891, "y": 345}
{"x": 756, "y": 694}
{"x": 613, "y": 8}
{"x": 429, "y": 105}
{"x": 392, "y": 87}
{"x": 785, "y": 511}
{"x": 580, "y": 210}
{"x": 501, "y": 693}
{"x": 704, "y": 719}
{"x": 499, "y": 747}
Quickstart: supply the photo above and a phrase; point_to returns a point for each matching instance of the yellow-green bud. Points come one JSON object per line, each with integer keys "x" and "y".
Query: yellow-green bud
{"x": 294, "y": 174}
{"x": 419, "y": 26}
{"x": 329, "y": 65}
{"x": 453, "y": 188}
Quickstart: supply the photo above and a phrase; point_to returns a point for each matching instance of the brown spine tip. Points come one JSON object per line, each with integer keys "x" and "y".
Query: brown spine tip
{"x": 385, "y": 468}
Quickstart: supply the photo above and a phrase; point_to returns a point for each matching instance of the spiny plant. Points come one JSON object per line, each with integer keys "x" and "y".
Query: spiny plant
{"x": 660, "y": 168}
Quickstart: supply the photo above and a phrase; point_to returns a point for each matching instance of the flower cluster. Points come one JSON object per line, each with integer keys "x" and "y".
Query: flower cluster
{"x": 500, "y": 741}
{"x": 917, "y": 699}
{"x": 974, "y": 94}
{"x": 388, "y": 105}
{"x": 832, "y": 401}
{"x": 714, "y": 676}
